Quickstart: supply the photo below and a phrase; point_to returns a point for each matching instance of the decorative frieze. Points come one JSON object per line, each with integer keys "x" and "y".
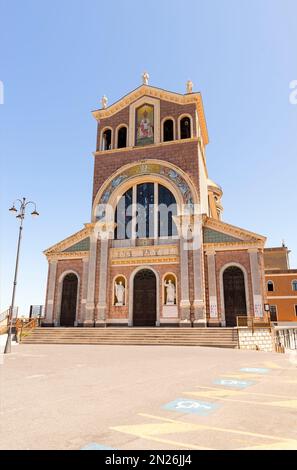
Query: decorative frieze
{"x": 148, "y": 168}
{"x": 144, "y": 254}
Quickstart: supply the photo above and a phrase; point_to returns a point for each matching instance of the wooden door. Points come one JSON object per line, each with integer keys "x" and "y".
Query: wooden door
{"x": 69, "y": 300}
{"x": 234, "y": 294}
{"x": 144, "y": 299}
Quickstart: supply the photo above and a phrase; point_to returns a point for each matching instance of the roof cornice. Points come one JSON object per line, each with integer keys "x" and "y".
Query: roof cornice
{"x": 241, "y": 233}
{"x": 189, "y": 98}
{"x": 69, "y": 241}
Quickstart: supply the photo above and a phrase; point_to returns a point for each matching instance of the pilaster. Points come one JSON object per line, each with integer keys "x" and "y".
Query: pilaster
{"x": 84, "y": 291}
{"x": 101, "y": 306}
{"x": 256, "y": 282}
{"x": 90, "y": 305}
{"x": 49, "y": 310}
{"x": 212, "y": 286}
{"x": 198, "y": 272}
{"x": 184, "y": 285}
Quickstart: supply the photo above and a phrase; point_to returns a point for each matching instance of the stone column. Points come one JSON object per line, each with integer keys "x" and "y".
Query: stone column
{"x": 49, "y": 310}
{"x": 101, "y": 306}
{"x": 184, "y": 284}
{"x": 212, "y": 286}
{"x": 84, "y": 291}
{"x": 198, "y": 272}
{"x": 134, "y": 215}
{"x": 90, "y": 303}
{"x": 156, "y": 211}
{"x": 256, "y": 282}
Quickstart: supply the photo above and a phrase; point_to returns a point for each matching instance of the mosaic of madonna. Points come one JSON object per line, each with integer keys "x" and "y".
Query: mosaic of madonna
{"x": 145, "y": 125}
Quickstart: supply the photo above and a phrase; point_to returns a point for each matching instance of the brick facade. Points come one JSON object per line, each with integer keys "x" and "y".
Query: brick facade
{"x": 182, "y": 154}
{"x": 199, "y": 293}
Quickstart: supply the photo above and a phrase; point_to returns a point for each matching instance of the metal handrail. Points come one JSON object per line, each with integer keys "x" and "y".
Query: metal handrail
{"x": 27, "y": 326}
{"x": 5, "y": 314}
{"x": 285, "y": 337}
{"x": 252, "y": 322}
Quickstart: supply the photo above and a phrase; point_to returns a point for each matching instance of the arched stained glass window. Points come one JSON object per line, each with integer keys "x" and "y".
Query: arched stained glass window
{"x": 152, "y": 215}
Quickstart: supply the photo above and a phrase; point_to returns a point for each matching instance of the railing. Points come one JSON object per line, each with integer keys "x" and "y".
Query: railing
{"x": 23, "y": 327}
{"x": 252, "y": 322}
{"x": 5, "y": 314}
{"x": 285, "y": 337}
{"x": 4, "y": 317}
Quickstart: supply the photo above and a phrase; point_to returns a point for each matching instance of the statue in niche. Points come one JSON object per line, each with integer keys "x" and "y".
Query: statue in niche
{"x": 170, "y": 292}
{"x": 119, "y": 294}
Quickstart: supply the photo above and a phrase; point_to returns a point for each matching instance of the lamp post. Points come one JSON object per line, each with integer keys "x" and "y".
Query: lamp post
{"x": 20, "y": 215}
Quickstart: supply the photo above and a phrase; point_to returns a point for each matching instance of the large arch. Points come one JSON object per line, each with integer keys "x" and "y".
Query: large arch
{"x": 178, "y": 182}
{"x": 246, "y": 287}
{"x": 131, "y": 293}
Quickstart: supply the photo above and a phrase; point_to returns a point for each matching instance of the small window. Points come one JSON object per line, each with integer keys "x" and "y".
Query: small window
{"x": 168, "y": 130}
{"x": 185, "y": 128}
{"x": 295, "y": 310}
{"x": 106, "y": 140}
{"x": 294, "y": 285}
{"x": 270, "y": 286}
{"x": 122, "y": 137}
{"x": 273, "y": 313}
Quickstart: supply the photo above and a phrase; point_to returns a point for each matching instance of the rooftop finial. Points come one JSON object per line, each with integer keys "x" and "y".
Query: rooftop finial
{"x": 189, "y": 86}
{"x": 104, "y": 101}
{"x": 145, "y": 78}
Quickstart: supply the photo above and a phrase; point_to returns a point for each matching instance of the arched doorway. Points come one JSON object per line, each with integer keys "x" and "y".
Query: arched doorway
{"x": 69, "y": 300}
{"x": 144, "y": 299}
{"x": 234, "y": 294}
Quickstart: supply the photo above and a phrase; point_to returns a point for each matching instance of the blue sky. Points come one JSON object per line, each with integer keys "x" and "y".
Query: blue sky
{"x": 59, "y": 57}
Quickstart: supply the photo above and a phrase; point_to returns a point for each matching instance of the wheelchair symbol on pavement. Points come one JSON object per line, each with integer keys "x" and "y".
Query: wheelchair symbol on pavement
{"x": 234, "y": 383}
{"x": 191, "y": 406}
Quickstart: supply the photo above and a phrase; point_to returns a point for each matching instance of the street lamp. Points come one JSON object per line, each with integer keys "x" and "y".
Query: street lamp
{"x": 21, "y": 212}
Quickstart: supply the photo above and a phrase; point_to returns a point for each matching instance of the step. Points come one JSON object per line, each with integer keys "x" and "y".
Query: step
{"x": 211, "y": 337}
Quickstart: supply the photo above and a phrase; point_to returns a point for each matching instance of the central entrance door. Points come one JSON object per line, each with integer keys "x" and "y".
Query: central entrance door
{"x": 144, "y": 299}
{"x": 234, "y": 294}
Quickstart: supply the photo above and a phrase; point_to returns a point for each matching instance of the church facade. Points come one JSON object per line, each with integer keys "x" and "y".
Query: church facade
{"x": 156, "y": 251}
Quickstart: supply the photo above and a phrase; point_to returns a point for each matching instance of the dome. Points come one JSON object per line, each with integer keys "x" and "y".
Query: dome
{"x": 212, "y": 184}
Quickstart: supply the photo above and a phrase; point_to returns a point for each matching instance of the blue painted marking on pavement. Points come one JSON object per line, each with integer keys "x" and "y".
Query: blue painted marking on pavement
{"x": 256, "y": 370}
{"x": 182, "y": 405}
{"x": 234, "y": 383}
{"x": 95, "y": 446}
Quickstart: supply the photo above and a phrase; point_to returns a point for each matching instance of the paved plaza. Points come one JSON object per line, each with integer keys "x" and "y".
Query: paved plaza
{"x": 147, "y": 397}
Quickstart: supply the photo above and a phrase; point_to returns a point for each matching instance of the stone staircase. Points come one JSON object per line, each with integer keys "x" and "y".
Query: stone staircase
{"x": 216, "y": 337}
